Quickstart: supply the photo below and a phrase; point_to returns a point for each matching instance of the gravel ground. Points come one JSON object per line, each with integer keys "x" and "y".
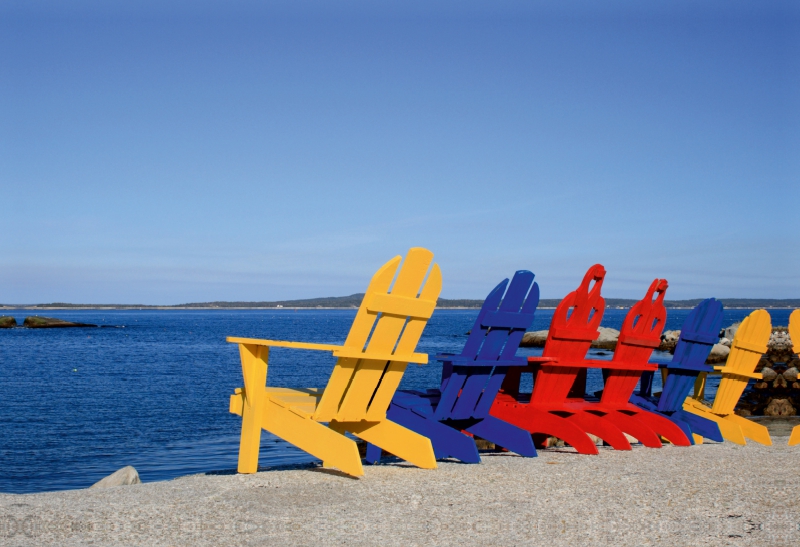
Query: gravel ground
{"x": 714, "y": 494}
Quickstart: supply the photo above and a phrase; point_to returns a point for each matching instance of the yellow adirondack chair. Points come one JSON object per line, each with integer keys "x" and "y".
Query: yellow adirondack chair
{"x": 794, "y": 334}
{"x": 368, "y": 370}
{"x": 749, "y": 344}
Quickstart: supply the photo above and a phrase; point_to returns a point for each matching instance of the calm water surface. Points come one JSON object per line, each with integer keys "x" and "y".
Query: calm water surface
{"x": 152, "y": 391}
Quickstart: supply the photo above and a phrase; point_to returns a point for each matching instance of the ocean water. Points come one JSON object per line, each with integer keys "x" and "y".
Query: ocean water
{"x": 152, "y": 388}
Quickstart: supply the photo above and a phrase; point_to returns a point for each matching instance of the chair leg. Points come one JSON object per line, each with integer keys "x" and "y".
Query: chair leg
{"x": 729, "y": 430}
{"x": 333, "y": 448}
{"x": 665, "y": 427}
{"x": 750, "y": 429}
{"x": 794, "y": 439}
{"x": 373, "y": 454}
{"x": 534, "y": 420}
{"x": 394, "y": 438}
{"x": 699, "y": 425}
{"x": 446, "y": 441}
{"x": 634, "y": 427}
{"x": 599, "y": 426}
{"x": 506, "y": 435}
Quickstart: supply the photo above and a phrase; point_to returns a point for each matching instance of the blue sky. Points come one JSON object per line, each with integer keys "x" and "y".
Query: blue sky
{"x": 175, "y": 152}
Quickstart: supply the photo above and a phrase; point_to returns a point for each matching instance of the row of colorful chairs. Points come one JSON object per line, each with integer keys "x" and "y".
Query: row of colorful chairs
{"x": 480, "y": 395}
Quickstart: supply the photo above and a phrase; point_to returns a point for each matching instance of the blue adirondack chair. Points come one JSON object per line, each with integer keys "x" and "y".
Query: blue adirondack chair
{"x": 699, "y": 333}
{"x": 471, "y": 380}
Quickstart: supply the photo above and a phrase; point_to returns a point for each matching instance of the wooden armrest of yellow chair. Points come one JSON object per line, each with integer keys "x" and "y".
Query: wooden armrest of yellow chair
{"x": 338, "y": 351}
{"x": 729, "y": 370}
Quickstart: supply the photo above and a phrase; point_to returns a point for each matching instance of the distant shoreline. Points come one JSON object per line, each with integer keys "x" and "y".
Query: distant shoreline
{"x": 353, "y": 301}
{"x": 295, "y": 308}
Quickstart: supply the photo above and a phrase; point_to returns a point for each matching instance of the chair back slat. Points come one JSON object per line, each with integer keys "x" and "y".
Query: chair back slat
{"x": 699, "y": 332}
{"x": 386, "y": 336}
{"x": 376, "y": 328}
{"x": 496, "y": 334}
{"x": 572, "y": 330}
{"x": 639, "y": 336}
{"x": 747, "y": 348}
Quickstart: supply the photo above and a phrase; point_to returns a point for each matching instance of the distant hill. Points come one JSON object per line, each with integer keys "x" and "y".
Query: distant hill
{"x": 354, "y": 300}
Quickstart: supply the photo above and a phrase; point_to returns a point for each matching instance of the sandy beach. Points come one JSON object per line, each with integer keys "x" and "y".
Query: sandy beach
{"x": 714, "y": 494}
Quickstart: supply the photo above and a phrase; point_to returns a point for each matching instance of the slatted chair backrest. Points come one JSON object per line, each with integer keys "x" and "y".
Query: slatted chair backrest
{"x": 794, "y": 331}
{"x": 639, "y": 336}
{"x": 388, "y": 324}
{"x": 572, "y": 330}
{"x": 699, "y": 333}
{"x": 748, "y": 346}
{"x": 471, "y": 380}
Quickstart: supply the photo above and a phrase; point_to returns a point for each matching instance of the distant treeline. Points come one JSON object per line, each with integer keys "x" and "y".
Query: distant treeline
{"x": 354, "y": 300}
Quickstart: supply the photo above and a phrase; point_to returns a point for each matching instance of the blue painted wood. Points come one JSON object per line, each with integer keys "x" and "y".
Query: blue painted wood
{"x": 700, "y": 331}
{"x": 472, "y": 379}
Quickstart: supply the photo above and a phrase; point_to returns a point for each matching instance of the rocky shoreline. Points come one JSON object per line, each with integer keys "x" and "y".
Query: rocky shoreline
{"x": 38, "y": 322}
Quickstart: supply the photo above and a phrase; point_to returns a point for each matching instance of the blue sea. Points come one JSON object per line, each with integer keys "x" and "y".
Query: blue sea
{"x": 151, "y": 389}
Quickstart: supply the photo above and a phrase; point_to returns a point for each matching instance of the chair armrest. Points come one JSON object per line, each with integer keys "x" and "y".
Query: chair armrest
{"x": 282, "y": 344}
{"x": 338, "y": 351}
{"x": 725, "y": 369}
{"x": 597, "y": 363}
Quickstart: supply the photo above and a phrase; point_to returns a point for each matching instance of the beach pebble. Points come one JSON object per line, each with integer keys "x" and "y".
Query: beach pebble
{"x": 791, "y": 374}
{"x": 123, "y": 477}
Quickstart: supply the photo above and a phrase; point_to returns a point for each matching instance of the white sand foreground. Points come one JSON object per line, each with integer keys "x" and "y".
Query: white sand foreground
{"x": 714, "y": 494}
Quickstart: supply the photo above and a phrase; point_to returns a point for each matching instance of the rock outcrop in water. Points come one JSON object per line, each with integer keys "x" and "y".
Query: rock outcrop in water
{"x": 37, "y": 322}
{"x": 607, "y": 339}
{"x": 7, "y": 322}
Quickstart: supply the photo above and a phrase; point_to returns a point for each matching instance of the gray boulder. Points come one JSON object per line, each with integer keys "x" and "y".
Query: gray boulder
{"x": 730, "y": 332}
{"x": 534, "y": 339}
{"x": 669, "y": 340}
{"x": 607, "y": 339}
{"x": 125, "y": 476}
{"x": 719, "y": 354}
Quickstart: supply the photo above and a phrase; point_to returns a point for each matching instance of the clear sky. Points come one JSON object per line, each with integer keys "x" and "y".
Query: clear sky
{"x": 194, "y": 151}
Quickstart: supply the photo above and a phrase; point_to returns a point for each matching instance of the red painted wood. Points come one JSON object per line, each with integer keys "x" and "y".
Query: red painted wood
{"x": 549, "y": 410}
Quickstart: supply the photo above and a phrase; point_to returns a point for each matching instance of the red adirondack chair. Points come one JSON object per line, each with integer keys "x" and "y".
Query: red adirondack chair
{"x": 550, "y": 411}
{"x": 639, "y": 336}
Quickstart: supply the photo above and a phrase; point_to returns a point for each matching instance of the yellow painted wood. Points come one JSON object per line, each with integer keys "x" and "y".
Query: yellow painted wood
{"x": 254, "y": 370}
{"x": 794, "y": 439}
{"x": 729, "y": 430}
{"x": 751, "y": 430}
{"x": 401, "y": 305}
{"x": 338, "y": 351}
{"x": 698, "y": 439}
{"x": 282, "y": 344}
{"x": 700, "y": 386}
{"x": 314, "y": 438}
{"x": 356, "y": 339}
{"x": 747, "y": 347}
{"x": 368, "y": 371}
{"x": 395, "y": 439}
{"x": 384, "y": 338}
